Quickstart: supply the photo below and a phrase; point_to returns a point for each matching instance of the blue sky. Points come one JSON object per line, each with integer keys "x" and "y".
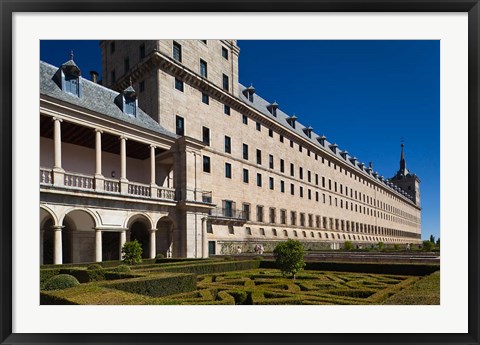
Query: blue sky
{"x": 363, "y": 95}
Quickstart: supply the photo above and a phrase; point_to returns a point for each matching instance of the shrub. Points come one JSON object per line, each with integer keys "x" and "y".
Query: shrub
{"x": 381, "y": 246}
{"x": 122, "y": 269}
{"x": 46, "y": 274}
{"x": 348, "y": 245}
{"x": 289, "y": 257}
{"x": 160, "y": 256}
{"x": 94, "y": 267}
{"x": 132, "y": 253}
{"x": 427, "y": 246}
{"x": 158, "y": 286}
{"x": 60, "y": 282}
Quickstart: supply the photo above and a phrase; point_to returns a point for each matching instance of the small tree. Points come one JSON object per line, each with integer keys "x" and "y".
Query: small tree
{"x": 427, "y": 246}
{"x": 348, "y": 245}
{"x": 132, "y": 253}
{"x": 432, "y": 239}
{"x": 289, "y": 257}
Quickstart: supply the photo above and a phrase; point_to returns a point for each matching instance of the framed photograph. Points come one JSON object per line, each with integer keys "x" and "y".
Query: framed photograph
{"x": 131, "y": 188}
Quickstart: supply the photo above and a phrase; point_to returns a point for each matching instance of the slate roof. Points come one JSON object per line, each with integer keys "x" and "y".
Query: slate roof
{"x": 97, "y": 98}
{"x": 261, "y": 105}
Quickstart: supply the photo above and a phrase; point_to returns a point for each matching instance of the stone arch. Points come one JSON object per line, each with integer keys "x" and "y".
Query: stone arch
{"x": 78, "y": 235}
{"x": 139, "y": 226}
{"x": 164, "y": 236}
{"x": 48, "y": 219}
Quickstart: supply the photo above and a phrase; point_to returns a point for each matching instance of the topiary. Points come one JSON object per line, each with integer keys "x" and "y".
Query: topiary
{"x": 60, "y": 282}
{"x": 289, "y": 257}
{"x": 92, "y": 267}
{"x": 132, "y": 252}
{"x": 160, "y": 256}
{"x": 122, "y": 269}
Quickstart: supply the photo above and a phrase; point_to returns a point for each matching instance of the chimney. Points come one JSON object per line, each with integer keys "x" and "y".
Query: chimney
{"x": 94, "y": 76}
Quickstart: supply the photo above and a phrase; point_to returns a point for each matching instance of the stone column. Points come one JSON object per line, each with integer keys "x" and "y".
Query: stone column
{"x": 57, "y": 245}
{"x": 123, "y": 166}
{"x": 98, "y": 245}
{"x": 58, "y": 172}
{"x": 42, "y": 233}
{"x": 204, "y": 238}
{"x": 123, "y": 240}
{"x": 99, "y": 179}
{"x": 153, "y": 185}
{"x": 153, "y": 243}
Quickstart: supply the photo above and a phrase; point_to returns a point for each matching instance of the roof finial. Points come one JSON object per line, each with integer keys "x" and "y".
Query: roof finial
{"x": 71, "y": 54}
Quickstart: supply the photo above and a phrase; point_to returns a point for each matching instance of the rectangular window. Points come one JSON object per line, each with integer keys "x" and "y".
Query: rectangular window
{"x": 282, "y": 165}
{"x": 292, "y": 169}
{"x": 245, "y": 175}
{"x": 309, "y": 176}
{"x": 329, "y": 184}
{"x": 228, "y": 211}
{"x": 293, "y": 217}
{"x": 259, "y": 213}
{"x": 205, "y": 98}
{"x": 226, "y": 109}
{"x": 316, "y": 179}
{"x": 283, "y": 216}
{"x": 142, "y": 51}
{"x": 258, "y": 126}
{"x": 225, "y": 53}
{"x": 245, "y": 151}
{"x": 323, "y": 181}
{"x": 282, "y": 186}
{"x": 228, "y": 144}
{"x": 177, "y": 51}
{"x": 271, "y": 183}
{"x": 246, "y": 211}
{"x": 310, "y": 220}
{"x": 206, "y": 164}
{"x": 259, "y": 179}
{"x": 316, "y": 196}
{"x": 244, "y": 119}
{"x": 270, "y": 132}
{"x": 178, "y": 84}
{"x": 225, "y": 82}
{"x": 309, "y": 194}
{"x": 180, "y": 125}
{"x": 302, "y": 219}
{"x": 206, "y": 136}
{"x": 126, "y": 65}
{"x": 300, "y": 170}
{"x": 270, "y": 161}
{"x": 259, "y": 156}
{"x": 272, "y": 215}
{"x": 291, "y": 143}
{"x": 292, "y": 189}
{"x": 308, "y": 153}
{"x": 281, "y": 138}
{"x": 335, "y": 186}
{"x": 203, "y": 68}
{"x": 301, "y": 192}
{"x": 300, "y": 148}
{"x": 228, "y": 170}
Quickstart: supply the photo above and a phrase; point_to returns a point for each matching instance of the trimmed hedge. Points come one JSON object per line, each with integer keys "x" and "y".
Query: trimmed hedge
{"x": 48, "y": 299}
{"x": 158, "y": 286}
{"x": 120, "y": 275}
{"x": 104, "y": 264}
{"x": 60, "y": 282}
{"x": 215, "y": 267}
{"x": 379, "y": 268}
{"x": 47, "y": 274}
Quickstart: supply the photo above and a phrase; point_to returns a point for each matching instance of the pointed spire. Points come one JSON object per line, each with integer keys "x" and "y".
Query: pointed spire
{"x": 403, "y": 164}
{"x": 71, "y": 54}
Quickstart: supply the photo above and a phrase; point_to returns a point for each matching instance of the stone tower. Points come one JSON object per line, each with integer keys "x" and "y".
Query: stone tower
{"x": 406, "y": 180}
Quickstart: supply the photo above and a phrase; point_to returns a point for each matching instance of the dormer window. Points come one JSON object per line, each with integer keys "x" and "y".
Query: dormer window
{"x": 272, "y": 108}
{"x": 333, "y": 147}
{"x": 308, "y": 131}
{"x": 127, "y": 101}
{"x": 249, "y": 92}
{"x": 68, "y": 78}
{"x": 291, "y": 120}
{"x": 321, "y": 139}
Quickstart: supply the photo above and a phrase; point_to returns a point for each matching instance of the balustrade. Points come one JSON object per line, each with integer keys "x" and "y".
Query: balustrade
{"x": 46, "y": 176}
{"x": 78, "y": 181}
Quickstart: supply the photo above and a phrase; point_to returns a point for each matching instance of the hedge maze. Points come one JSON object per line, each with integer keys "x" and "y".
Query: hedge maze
{"x": 251, "y": 282}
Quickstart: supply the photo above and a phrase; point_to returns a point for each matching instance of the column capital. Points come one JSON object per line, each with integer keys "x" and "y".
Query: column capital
{"x": 153, "y": 230}
{"x": 57, "y": 227}
{"x": 122, "y": 137}
{"x": 152, "y": 146}
{"x": 98, "y": 130}
{"x": 54, "y": 118}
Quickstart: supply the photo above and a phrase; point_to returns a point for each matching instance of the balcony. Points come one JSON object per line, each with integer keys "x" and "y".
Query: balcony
{"x": 82, "y": 182}
{"x": 227, "y": 216}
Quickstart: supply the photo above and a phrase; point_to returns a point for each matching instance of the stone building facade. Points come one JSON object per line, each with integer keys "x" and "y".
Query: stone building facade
{"x": 237, "y": 170}
{"x": 270, "y": 177}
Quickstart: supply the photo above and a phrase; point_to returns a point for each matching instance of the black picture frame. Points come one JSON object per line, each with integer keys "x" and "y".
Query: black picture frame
{"x": 8, "y": 7}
